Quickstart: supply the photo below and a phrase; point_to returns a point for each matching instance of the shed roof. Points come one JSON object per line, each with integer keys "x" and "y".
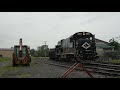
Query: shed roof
{"x": 101, "y": 40}
{"x": 105, "y": 46}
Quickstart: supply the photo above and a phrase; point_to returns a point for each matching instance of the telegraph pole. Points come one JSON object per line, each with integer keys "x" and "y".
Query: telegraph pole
{"x": 45, "y": 48}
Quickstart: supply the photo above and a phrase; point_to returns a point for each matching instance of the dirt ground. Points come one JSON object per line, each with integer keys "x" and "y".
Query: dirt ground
{"x": 38, "y": 69}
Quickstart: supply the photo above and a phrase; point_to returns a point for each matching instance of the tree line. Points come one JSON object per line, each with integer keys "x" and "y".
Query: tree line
{"x": 116, "y": 53}
{"x": 114, "y": 42}
{"x": 42, "y": 51}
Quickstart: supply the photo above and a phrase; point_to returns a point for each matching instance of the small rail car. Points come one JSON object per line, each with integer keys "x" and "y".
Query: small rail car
{"x": 21, "y": 55}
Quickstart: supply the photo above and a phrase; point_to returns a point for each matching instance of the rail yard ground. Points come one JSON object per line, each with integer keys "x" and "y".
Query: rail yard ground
{"x": 40, "y": 68}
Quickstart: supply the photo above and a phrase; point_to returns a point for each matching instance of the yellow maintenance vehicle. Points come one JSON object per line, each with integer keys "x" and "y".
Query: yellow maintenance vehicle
{"x": 21, "y": 55}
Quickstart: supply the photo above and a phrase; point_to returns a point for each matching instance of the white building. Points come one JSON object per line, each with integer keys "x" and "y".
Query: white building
{"x": 103, "y": 47}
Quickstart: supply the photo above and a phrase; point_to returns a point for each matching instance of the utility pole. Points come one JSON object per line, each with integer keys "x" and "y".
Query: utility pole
{"x": 45, "y": 48}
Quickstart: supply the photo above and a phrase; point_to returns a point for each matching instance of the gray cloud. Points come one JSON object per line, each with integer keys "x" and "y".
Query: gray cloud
{"x": 37, "y": 27}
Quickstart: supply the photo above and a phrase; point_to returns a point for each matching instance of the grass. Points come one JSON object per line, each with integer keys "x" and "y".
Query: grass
{"x": 24, "y": 75}
{"x": 113, "y": 61}
{"x": 35, "y": 58}
{"x": 117, "y": 77}
{"x": 4, "y": 59}
{"x": 15, "y": 70}
{"x": 7, "y": 69}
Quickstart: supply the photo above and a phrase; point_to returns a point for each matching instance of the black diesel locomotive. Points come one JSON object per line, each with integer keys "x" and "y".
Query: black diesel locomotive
{"x": 80, "y": 46}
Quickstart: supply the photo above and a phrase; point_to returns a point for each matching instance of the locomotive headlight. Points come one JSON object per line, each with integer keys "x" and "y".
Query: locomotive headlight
{"x": 83, "y": 33}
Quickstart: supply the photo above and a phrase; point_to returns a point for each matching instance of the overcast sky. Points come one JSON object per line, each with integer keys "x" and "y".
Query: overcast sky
{"x": 36, "y": 27}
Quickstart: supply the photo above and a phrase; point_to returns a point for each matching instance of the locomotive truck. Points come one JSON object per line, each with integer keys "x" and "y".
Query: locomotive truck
{"x": 80, "y": 46}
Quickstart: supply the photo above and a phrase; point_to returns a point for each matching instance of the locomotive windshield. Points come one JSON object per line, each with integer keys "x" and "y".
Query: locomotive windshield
{"x": 87, "y": 38}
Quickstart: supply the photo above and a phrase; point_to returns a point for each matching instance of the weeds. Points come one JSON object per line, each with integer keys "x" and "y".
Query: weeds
{"x": 4, "y": 59}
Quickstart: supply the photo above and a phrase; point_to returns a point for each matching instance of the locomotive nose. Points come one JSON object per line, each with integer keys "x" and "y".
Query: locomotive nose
{"x": 85, "y": 50}
{"x": 84, "y": 44}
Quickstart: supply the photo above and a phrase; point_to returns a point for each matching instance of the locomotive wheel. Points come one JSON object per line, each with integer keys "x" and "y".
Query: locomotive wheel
{"x": 78, "y": 59}
{"x": 69, "y": 59}
{"x": 58, "y": 58}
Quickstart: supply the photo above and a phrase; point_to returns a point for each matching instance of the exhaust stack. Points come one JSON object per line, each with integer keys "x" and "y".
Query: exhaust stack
{"x": 20, "y": 43}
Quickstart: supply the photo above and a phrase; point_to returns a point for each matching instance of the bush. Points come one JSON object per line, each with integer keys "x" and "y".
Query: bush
{"x": 113, "y": 55}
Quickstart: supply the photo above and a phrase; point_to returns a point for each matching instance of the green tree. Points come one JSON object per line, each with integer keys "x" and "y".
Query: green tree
{"x": 32, "y": 51}
{"x": 43, "y": 50}
{"x": 114, "y": 43}
{"x": 39, "y": 50}
{"x": 36, "y": 54}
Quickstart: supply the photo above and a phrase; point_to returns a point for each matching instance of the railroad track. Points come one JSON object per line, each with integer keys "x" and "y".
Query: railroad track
{"x": 108, "y": 69}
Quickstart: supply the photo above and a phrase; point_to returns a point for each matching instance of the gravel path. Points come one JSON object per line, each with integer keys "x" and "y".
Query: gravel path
{"x": 38, "y": 69}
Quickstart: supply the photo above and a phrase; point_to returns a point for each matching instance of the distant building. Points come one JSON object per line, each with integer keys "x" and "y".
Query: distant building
{"x": 103, "y": 47}
{"x": 6, "y": 52}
